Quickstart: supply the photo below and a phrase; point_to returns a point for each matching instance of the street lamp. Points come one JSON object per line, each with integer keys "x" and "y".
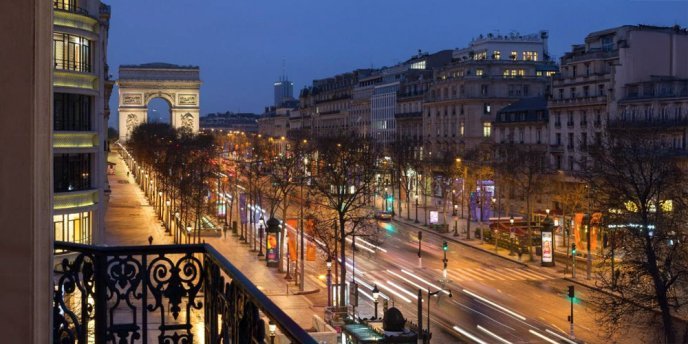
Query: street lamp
{"x": 511, "y": 236}
{"x": 432, "y": 293}
{"x": 261, "y": 229}
{"x": 167, "y": 213}
{"x": 188, "y": 234}
{"x": 456, "y": 220}
{"x": 329, "y": 281}
{"x": 272, "y": 327}
{"x": 416, "y": 197}
{"x": 376, "y": 294}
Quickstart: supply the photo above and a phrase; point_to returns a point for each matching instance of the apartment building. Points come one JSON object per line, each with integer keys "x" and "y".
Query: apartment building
{"x": 612, "y": 76}
{"x": 491, "y": 73}
{"x": 81, "y": 90}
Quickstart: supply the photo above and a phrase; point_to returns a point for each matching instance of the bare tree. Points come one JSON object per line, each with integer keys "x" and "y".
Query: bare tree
{"x": 403, "y": 160}
{"x": 526, "y": 166}
{"x": 640, "y": 189}
{"x": 343, "y": 178}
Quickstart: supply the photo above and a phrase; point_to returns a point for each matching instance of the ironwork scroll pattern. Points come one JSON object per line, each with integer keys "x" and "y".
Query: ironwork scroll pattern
{"x": 73, "y": 298}
{"x": 175, "y": 285}
{"x": 240, "y": 320}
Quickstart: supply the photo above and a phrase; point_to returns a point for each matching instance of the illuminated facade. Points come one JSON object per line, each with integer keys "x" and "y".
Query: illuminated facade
{"x": 81, "y": 90}
{"x": 491, "y": 73}
{"x": 617, "y": 75}
{"x": 178, "y": 85}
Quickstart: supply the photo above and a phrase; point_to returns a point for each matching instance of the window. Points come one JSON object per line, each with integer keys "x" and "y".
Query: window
{"x": 521, "y": 135}
{"x": 487, "y": 129}
{"x": 72, "y": 172}
{"x": 71, "y": 52}
{"x": 570, "y": 143}
{"x": 480, "y": 56}
{"x": 496, "y": 55}
{"x": 75, "y": 227}
{"x": 573, "y": 71}
{"x": 530, "y": 56}
{"x": 586, "y": 91}
{"x": 513, "y": 55}
{"x": 487, "y": 108}
{"x": 558, "y": 162}
{"x": 600, "y": 90}
{"x": 538, "y": 136}
{"x": 561, "y": 93}
{"x": 570, "y": 163}
{"x": 513, "y": 73}
{"x": 479, "y": 71}
{"x": 584, "y": 140}
{"x": 573, "y": 92}
{"x": 65, "y": 5}
{"x": 72, "y": 112}
{"x": 461, "y": 128}
{"x": 550, "y": 73}
{"x": 483, "y": 90}
{"x": 558, "y": 139}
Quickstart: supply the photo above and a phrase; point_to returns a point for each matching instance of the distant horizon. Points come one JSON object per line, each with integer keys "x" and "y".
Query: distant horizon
{"x": 243, "y": 48}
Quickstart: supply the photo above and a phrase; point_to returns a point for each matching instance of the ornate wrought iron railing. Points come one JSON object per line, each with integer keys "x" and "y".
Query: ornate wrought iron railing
{"x": 162, "y": 293}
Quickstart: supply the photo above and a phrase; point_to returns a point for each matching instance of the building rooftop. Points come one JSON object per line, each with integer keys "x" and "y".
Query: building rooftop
{"x": 527, "y": 104}
{"x": 159, "y": 65}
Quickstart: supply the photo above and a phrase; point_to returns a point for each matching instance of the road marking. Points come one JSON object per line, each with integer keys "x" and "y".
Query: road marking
{"x": 402, "y": 289}
{"x": 472, "y": 274}
{"x": 424, "y": 281}
{"x": 468, "y": 334}
{"x": 559, "y": 336}
{"x": 543, "y": 337}
{"x": 381, "y": 285}
{"x": 493, "y": 335}
{"x": 491, "y": 273}
{"x": 536, "y": 274}
{"x": 408, "y": 281}
{"x": 494, "y": 304}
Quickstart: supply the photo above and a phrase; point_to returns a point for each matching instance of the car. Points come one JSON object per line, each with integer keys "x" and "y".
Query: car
{"x": 383, "y": 215}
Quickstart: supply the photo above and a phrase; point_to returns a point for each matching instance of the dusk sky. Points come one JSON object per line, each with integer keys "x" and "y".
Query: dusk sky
{"x": 240, "y": 45}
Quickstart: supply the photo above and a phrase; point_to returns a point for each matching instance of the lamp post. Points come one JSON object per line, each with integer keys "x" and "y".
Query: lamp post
{"x": 167, "y": 213}
{"x": 329, "y": 281}
{"x": 416, "y": 197}
{"x": 432, "y": 293}
{"x": 511, "y": 236}
{"x": 272, "y": 327}
{"x": 261, "y": 229}
{"x": 376, "y": 295}
{"x": 160, "y": 202}
{"x": 456, "y": 220}
{"x": 176, "y": 228}
{"x": 188, "y": 234}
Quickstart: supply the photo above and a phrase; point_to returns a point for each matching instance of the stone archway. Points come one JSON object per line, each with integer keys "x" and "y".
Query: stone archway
{"x": 178, "y": 85}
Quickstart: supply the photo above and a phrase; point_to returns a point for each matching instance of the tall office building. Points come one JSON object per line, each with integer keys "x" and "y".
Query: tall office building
{"x": 284, "y": 91}
{"x": 81, "y": 89}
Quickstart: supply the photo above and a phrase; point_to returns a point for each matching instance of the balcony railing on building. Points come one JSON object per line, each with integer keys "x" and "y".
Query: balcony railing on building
{"x": 164, "y": 294}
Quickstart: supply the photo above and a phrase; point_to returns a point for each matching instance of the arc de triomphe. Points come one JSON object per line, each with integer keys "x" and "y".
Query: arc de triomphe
{"x": 178, "y": 85}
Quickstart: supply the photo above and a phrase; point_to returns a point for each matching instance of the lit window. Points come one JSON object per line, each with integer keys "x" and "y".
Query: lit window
{"x": 550, "y": 73}
{"x": 514, "y": 55}
{"x": 487, "y": 129}
{"x": 487, "y": 108}
{"x": 496, "y": 55}
{"x": 479, "y": 72}
{"x": 538, "y": 73}
{"x": 461, "y": 128}
{"x": 480, "y": 56}
{"x": 521, "y": 72}
{"x": 530, "y": 56}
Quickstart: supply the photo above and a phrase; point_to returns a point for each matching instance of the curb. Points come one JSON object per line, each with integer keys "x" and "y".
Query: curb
{"x": 463, "y": 243}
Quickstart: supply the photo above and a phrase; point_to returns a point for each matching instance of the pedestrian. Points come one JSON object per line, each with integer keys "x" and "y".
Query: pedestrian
{"x": 150, "y": 240}
{"x": 520, "y": 253}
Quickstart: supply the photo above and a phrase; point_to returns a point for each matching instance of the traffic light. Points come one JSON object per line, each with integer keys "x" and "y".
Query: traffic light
{"x": 445, "y": 246}
{"x": 571, "y": 292}
{"x": 573, "y": 249}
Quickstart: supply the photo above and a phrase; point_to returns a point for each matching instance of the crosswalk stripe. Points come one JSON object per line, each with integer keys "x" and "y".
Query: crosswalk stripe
{"x": 472, "y": 274}
{"x": 519, "y": 274}
{"x": 491, "y": 273}
{"x": 456, "y": 275}
{"x": 528, "y": 274}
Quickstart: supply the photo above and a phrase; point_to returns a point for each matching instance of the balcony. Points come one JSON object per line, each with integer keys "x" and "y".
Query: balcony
{"x": 677, "y": 123}
{"x": 74, "y": 17}
{"x": 75, "y": 199}
{"x": 593, "y": 100}
{"x": 86, "y": 81}
{"x": 163, "y": 293}
{"x": 62, "y": 139}
{"x": 556, "y": 148}
{"x": 569, "y": 124}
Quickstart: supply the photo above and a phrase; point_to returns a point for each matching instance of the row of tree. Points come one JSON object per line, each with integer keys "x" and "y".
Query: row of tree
{"x": 181, "y": 165}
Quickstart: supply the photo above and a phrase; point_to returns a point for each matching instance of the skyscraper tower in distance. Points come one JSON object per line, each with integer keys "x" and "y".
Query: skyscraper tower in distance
{"x": 284, "y": 90}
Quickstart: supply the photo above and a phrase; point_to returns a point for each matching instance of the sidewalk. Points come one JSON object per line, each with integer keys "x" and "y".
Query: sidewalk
{"x": 558, "y": 271}
{"x": 130, "y": 220}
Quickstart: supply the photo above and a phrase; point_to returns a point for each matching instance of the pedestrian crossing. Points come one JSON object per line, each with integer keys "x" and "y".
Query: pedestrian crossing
{"x": 494, "y": 274}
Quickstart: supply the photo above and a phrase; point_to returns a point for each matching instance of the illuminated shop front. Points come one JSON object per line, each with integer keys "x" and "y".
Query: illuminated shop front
{"x": 73, "y": 227}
